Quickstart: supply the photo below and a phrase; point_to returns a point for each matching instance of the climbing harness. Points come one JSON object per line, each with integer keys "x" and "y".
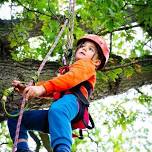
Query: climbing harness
{"x": 83, "y": 118}
{"x": 81, "y": 121}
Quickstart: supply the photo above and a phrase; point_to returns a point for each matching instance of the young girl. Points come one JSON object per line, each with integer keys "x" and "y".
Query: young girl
{"x": 91, "y": 54}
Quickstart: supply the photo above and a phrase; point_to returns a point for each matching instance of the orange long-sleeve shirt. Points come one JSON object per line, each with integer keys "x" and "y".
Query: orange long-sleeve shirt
{"x": 79, "y": 71}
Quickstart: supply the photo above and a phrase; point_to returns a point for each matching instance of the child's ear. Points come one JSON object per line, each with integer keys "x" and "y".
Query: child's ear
{"x": 97, "y": 62}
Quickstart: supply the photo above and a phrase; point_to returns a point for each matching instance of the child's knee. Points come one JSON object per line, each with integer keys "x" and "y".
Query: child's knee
{"x": 55, "y": 109}
{"x": 57, "y": 112}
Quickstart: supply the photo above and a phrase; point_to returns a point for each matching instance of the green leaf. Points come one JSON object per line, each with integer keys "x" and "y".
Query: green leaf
{"x": 128, "y": 72}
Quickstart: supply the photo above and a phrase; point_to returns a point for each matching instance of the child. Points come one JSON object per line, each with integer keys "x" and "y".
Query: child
{"x": 91, "y": 54}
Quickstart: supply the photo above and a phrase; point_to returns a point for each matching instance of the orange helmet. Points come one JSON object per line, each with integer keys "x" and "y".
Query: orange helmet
{"x": 103, "y": 50}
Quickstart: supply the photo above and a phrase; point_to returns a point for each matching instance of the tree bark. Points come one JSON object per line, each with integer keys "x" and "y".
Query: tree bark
{"x": 26, "y": 70}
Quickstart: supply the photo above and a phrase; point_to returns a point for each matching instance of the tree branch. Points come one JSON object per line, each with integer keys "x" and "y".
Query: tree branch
{"x": 126, "y": 64}
{"x": 3, "y": 144}
{"x": 10, "y": 70}
{"x": 92, "y": 140}
{"x": 137, "y": 89}
{"x": 55, "y": 17}
{"x": 46, "y": 141}
{"x": 36, "y": 139}
{"x": 119, "y": 29}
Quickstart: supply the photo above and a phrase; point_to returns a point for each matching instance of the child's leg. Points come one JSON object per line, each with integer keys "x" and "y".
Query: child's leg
{"x": 60, "y": 115}
{"x": 32, "y": 120}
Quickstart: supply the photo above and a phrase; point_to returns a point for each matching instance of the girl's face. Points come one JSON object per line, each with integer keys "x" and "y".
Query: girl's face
{"x": 87, "y": 50}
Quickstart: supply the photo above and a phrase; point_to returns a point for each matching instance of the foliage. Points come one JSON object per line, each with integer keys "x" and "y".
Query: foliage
{"x": 117, "y": 126}
{"x": 45, "y": 18}
{"x": 144, "y": 18}
{"x": 41, "y": 20}
{"x": 5, "y": 141}
{"x": 122, "y": 125}
{"x": 145, "y": 100}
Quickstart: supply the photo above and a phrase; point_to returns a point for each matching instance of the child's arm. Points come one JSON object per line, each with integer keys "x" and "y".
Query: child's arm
{"x": 80, "y": 71}
{"x": 28, "y": 92}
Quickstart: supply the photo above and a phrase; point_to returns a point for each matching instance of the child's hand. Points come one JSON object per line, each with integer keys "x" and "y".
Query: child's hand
{"x": 19, "y": 87}
{"x": 33, "y": 91}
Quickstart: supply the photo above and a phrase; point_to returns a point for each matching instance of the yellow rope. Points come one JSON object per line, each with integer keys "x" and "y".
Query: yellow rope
{"x": 6, "y": 94}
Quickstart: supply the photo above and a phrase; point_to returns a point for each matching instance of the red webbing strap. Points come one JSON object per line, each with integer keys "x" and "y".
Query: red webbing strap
{"x": 83, "y": 103}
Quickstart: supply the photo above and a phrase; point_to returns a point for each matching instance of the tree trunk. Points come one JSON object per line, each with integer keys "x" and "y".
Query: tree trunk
{"x": 26, "y": 70}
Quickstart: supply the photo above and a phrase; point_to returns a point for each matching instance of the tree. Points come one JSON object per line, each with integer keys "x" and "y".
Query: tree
{"x": 116, "y": 21}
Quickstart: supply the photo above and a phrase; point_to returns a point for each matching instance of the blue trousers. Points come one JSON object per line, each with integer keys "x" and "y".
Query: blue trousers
{"x": 56, "y": 121}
